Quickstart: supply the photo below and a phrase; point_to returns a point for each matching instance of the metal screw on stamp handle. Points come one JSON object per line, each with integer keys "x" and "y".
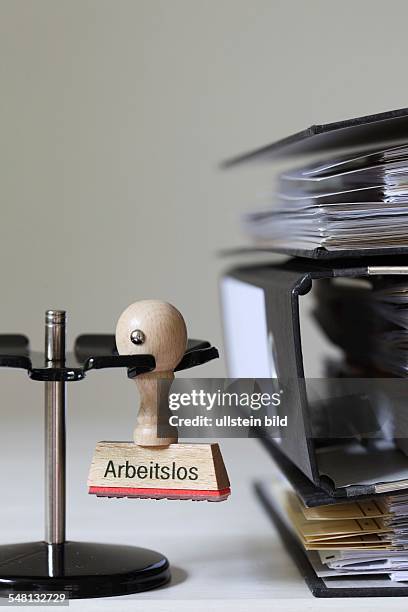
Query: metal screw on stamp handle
{"x": 137, "y": 336}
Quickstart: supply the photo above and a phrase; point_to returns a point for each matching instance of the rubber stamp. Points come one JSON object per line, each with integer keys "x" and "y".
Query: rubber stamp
{"x": 155, "y": 465}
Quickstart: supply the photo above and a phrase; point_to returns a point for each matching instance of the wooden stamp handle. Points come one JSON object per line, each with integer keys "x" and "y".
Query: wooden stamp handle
{"x": 154, "y": 393}
{"x": 156, "y": 328}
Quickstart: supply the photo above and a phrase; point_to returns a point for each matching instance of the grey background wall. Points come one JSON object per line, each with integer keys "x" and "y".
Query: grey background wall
{"x": 115, "y": 114}
{"x": 113, "y": 118}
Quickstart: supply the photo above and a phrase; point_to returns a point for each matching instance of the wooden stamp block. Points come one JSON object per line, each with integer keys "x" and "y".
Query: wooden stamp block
{"x": 177, "y": 471}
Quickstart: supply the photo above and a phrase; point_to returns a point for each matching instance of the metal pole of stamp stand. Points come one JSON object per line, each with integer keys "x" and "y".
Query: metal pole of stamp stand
{"x": 55, "y": 442}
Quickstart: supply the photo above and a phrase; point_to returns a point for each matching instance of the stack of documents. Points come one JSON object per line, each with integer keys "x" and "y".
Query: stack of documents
{"x": 374, "y": 315}
{"x": 357, "y": 538}
{"x": 391, "y": 307}
{"x": 343, "y": 516}
{"x": 358, "y": 202}
{"x": 343, "y": 526}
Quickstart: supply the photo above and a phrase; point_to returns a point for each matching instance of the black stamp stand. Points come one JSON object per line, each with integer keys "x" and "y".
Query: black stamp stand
{"x": 79, "y": 569}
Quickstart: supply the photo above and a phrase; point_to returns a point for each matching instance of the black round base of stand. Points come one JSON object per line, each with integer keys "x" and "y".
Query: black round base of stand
{"x": 80, "y": 569}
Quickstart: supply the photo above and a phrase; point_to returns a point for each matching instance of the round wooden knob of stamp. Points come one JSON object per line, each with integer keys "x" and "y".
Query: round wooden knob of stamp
{"x": 155, "y": 328}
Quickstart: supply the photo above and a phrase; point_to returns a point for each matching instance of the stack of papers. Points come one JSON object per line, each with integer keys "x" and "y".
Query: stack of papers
{"x": 391, "y": 306}
{"x": 340, "y": 527}
{"x": 377, "y": 312}
{"x": 358, "y": 202}
{"x": 351, "y": 539}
